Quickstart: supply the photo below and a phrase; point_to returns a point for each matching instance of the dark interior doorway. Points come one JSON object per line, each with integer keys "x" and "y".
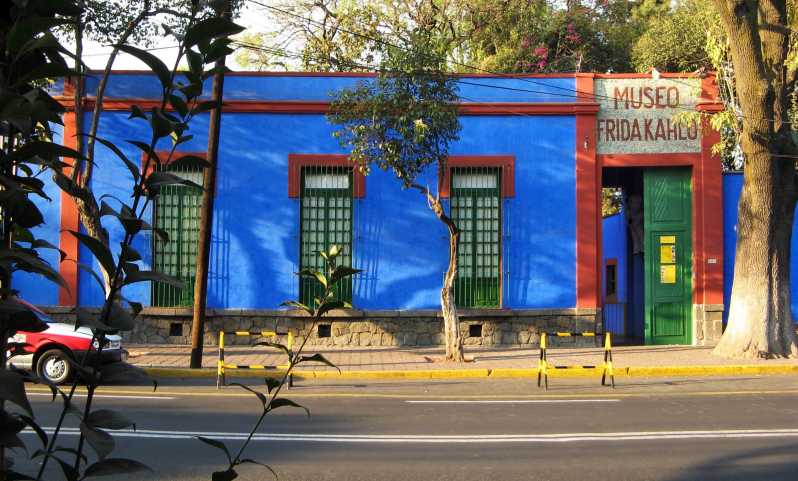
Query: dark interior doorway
{"x": 623, "y": 272}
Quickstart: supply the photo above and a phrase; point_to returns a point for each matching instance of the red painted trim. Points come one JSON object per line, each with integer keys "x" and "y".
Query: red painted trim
{"x": 362, "y": 74}
{"x": 70, "y": 220}
{"x": 297, "y": 161}
{"x": 649, "y": 160}
{"x": 322, "y": 107}
{"x": 504, "y": 162}
{"x": 164, "y": 159}
{"x": 588, "y": 199}
{"x": 710, "y": 107}
{"x": 530, "y": 108}
{"x": 645, "y": 75}
{"x": 709, "y": 225}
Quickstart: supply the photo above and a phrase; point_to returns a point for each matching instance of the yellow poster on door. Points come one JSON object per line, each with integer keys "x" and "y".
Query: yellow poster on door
{"x": 667, "y": 254}
{"x": 667, "y": 274}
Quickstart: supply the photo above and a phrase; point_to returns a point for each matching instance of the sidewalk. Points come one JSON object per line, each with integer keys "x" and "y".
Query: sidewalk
{"x": 496, "y": 362}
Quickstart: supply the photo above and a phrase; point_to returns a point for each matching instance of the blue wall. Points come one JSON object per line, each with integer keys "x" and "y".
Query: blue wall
{"x": 398, "y": 242}
{"x": 732, "y": 186}
{"x": 33, "y": 287}
{"x": 614, "y": 246}
{"x": 318, "y": 87}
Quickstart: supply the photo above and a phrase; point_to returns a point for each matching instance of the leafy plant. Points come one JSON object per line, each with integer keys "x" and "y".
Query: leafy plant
{"x": 29, "y": 55}
{"x": 327, "y": 280}
{"x": 32, "y": 54}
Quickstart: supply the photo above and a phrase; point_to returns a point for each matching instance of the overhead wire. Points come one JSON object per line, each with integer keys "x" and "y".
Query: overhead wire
{"x": 520, "y": 77}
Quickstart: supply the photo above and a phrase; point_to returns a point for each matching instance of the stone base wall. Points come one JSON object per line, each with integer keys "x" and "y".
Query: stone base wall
{"x": 352, "y": 328}
{"x": 707, "y": 324}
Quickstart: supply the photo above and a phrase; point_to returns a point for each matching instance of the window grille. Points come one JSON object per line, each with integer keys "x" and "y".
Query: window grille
{"x": 476, "y": 210}
{"x": 326, "y": 220}
{"x": 177, "y": 211}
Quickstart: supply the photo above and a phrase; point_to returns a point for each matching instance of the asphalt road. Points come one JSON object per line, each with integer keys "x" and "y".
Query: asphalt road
{"x": 673, "y": 430}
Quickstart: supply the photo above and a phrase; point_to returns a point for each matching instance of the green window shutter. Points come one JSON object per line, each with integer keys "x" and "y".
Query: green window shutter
{"x": 476, "y": 210}
{"x": 177, "y": 212}
{"x": 325, "y": 220}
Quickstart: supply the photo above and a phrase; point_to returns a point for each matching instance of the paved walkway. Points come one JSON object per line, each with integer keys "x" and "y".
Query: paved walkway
{"x": 391, "y": 359}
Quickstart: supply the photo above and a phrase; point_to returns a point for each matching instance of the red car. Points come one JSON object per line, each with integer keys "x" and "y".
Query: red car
{"x": 48, "y": 352}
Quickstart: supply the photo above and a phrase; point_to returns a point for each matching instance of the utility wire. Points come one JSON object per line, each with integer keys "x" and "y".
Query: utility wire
{"x": 288, "y": 54}
{"x": 472, "y": 67}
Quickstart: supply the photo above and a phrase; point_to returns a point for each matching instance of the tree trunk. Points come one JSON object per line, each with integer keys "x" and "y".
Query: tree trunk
{"x": 760, "y": 323}
{"x": 451, "y": 322}
{"x": 760, "y": 318}
{"x": 206, "y": 210}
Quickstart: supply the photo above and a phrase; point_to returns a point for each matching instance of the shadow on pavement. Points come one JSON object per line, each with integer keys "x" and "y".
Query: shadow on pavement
{"x": 773, "y": 463}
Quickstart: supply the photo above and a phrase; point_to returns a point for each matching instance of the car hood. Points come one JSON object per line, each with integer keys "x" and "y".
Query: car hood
{"x": 65, "y": 329}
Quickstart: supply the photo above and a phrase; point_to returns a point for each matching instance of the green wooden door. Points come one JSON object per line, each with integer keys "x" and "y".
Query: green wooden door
{"x": 668, "y": 256}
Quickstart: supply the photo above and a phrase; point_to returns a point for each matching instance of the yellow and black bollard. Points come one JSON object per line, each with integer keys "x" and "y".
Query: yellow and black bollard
{"x": 221, "y": 365}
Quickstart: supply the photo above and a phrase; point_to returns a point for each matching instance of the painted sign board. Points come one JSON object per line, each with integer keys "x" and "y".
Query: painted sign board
{"x": 637, "y": 115}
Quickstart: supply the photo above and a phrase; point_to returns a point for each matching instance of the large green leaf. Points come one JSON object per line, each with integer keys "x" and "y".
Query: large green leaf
{"x": 275, "y": 345}
{"x": 12, "y": 389}
{"x": 252, "y": 461}
{"x": 281, "y": 402}
{"x": 109, "y": 419}
{"x": 156, "y": 180}
{"x": 133, "y": 168}
{"x": 100, "y": 251}
{"x": 154, "y": 63}
{"x": 209, "y": 29}
{"x": 318, "y": 357}
{"x": 25, "y": 213}
{"x": 47, "y": 150}
{"x": 262, "y": 397}
{"x": 25, "y": 29}
{"x": 218, "y": 445}
{"x": 341, "y": 272}
{"x": 99, "y": 440}
{"x": 142, "y": 276}
{"x": 115, "y": 466}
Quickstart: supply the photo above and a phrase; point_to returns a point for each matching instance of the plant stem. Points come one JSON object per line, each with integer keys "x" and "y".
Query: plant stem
{"x": 292, "y": 362}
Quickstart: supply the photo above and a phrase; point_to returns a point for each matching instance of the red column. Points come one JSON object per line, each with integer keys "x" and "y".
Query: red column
{"x": 588, "y": 197}
{"x": 69, "y": 221}
{"x": 710, "y": 228}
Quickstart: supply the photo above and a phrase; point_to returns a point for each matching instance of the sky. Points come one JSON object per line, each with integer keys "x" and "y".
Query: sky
{"x": 253, "y": 17}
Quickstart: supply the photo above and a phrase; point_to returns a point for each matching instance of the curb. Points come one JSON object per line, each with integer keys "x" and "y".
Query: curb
{"x": 498, "y": 373}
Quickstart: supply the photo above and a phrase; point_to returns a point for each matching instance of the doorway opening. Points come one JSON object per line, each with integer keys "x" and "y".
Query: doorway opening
{"x": 623, "y": 280}
{"x": 647, "y": 254}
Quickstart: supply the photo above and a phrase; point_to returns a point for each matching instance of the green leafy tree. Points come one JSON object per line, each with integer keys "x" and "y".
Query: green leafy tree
{"x": 761, "y": 46}
{"x": 403, "y": 122}
{"x": 544, "y": 36}
{"x": 676, "y": 40}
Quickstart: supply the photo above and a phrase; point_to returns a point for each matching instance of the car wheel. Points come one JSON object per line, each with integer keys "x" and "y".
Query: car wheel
{"x": 54, "y": 366}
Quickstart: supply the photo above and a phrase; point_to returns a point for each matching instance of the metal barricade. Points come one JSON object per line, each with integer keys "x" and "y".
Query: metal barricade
{"x": 221, "y": 365}
{"x": 544, "y": 366}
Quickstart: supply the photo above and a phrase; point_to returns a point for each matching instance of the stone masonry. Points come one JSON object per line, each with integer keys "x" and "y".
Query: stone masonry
{"x": 353, "y": 328}
{"x": 707, "y": 324}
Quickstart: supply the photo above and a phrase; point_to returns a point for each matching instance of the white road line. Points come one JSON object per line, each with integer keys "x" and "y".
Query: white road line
{"x": 105, "y": 396}
{"x": 511, "y": 401}
{"x": 456, "y": 439}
